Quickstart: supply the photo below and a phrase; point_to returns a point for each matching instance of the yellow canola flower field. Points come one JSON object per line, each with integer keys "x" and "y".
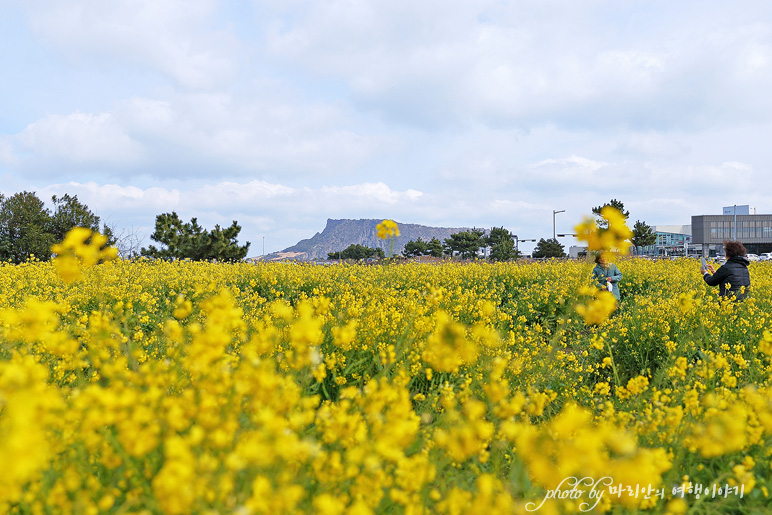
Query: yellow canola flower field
{"x": 149, "y": 387}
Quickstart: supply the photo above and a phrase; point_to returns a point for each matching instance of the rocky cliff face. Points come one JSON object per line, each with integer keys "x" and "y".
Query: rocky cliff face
{"x": 339, "y": 234}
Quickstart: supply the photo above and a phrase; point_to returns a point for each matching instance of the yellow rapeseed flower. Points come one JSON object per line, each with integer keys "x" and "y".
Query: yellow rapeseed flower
{"x": 615, "y": 237}
{"x": 449, "y": 347}
{"x": 387, "y": 229}
{"x": 73, "y": 252}
{"x": 599, "y": 306}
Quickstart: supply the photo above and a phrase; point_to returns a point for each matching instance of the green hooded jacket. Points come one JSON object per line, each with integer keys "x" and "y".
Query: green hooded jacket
{"x": 600, "y": 274}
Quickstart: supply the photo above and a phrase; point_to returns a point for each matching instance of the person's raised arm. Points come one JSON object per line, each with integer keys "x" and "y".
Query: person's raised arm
{"x": 715, "y": 277}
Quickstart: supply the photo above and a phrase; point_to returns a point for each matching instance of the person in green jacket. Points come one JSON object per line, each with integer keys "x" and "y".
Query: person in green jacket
{"x": 606, "y": 274}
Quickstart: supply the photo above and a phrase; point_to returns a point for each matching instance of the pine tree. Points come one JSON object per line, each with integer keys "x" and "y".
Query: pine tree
{"x": 183, "y": 240}
{"x": 466, "y": 243}
{"x": 643, "y": 235}
{"x": 502, "y": 244}
{"x": 615, "y": 204}
{"x": 548, "y": 249}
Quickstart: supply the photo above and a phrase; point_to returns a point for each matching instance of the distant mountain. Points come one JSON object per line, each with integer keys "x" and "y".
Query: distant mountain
{"x": 339, "y": 234}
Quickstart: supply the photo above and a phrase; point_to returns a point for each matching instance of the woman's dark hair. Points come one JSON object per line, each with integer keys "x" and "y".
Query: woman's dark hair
{"x": 598, "y": 256}
{"x": 734, "y": 248}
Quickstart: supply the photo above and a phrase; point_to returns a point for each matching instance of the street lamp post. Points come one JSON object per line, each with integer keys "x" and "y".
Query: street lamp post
{"x": 554, "y": 236}
{"x": 263, "y": 247}
{"x": 734, "y": 222}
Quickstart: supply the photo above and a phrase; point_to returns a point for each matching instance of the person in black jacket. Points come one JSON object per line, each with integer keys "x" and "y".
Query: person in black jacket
{"x": 732, "y": 277}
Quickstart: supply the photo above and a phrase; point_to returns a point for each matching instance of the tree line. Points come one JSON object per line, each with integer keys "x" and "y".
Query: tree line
{"x": 28, "y": 229}
{"x": 500, "y": 242}
{"x": 463, "y": 244}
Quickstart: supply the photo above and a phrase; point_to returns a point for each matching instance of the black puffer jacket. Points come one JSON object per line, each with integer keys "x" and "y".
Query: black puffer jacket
{"x": 733, "y": 273}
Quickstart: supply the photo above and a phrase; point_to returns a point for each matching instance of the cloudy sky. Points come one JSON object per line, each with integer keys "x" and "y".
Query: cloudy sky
{"x": 283, "y": 113}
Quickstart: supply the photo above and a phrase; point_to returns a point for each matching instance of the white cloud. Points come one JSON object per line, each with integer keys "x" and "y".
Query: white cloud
{"x": 7, "y": 157}
{"x": 198, "y": 133}
{"x": 511, "y": 207}
{"x": 113, "y": 198}
{"x": 250, "y": 133}
{"x": 520, "y": 63}
{"x": 572, "y": 162}
{"x": 151, "y": 117}
{"x": 728, "y": 178}
{"x": 175, "y": 37}
{"x": 81, "y": 138}
{"x": 568, "y": 173}
{"x": 654, "y": 145}
{"x": 371, "y": 192}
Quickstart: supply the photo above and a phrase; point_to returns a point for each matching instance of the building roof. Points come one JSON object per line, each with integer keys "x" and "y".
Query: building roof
{"x": 674, "y": 229}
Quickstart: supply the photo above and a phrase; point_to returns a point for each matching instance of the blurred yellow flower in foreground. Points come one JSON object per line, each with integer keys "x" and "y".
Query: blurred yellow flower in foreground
{"x": 448, "y": 348}
{"x": 616, "y": 237}
{"x": 387, "y": 229}
{"x": 73, "y": 252}
{"x": 765, "y": 345}
{"x": 598, "y": 308}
